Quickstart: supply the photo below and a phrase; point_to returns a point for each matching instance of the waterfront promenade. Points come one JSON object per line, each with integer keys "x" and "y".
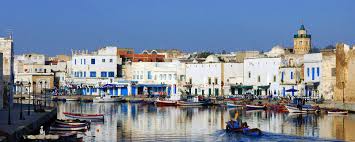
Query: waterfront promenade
{"x": 18, "y": 127}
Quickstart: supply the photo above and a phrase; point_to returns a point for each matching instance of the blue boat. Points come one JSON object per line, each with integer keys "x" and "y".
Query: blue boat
{"x": 234, "y": 126}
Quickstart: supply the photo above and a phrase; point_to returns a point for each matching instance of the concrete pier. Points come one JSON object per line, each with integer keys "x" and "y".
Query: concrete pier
{"x": 30, "y": 125}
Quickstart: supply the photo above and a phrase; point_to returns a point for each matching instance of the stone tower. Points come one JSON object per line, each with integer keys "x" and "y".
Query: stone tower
{"x": 302, "y": 41}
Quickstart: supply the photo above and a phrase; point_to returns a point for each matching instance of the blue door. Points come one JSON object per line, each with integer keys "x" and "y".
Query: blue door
{"x": 284, "y": 91}
{"x": 312, "y": 73}
{"x": 124, "y": 91}
{"x": 111, "y": 91}
{"x": 133, "y": 91}
{"x": 116, "y": 91}
{"x": 169, "y": 90}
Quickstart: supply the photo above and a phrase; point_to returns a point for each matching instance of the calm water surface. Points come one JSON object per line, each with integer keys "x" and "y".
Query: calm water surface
{"x": 139, "y": 122}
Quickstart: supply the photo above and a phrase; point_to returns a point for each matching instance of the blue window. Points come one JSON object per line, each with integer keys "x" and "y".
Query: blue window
{"x": 92, "y": 61}
{"x": 81, "y": 61}
{"x": 94, "y": 89}
{"x": 92, "y": 74}
{"x": 85, "y": 74}
{"x": 75, "y": 61}
{"x": 111, "y": 74}
{"x": 103, "y": 74}
{"x": 282, "y": 75}
{"x": 312, "y": 73}
{"x": 318, "y": 71}
{"x": 149, "y": 75}
{"x": 291, "y": 75}
{"x": 81, "y": 74}
{"x": 84, "y": 61}
{"x": 308, "y": 72}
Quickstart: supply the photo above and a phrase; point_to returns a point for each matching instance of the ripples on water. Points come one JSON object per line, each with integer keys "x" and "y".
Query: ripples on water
{"x": 138, "y": 122}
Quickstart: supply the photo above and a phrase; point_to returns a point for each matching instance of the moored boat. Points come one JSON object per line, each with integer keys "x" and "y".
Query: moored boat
{"x": 230, "y": 105}
{"x": 242, "y": 129}
{"x": 106, "y": 99}
{"x": 57, "y": 128}
{"x": 83, "y": 116}
{"x": 256, "y": 106}
{"x": 300, "y": 109}
{"x": 72, "y": 122}
{"x": 338, "y": 112}
{"x": 165, "y": 103}
{"x": 187, "y": 103}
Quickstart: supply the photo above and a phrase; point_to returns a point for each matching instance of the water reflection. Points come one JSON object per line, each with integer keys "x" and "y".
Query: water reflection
{"x": 138, "y": 122}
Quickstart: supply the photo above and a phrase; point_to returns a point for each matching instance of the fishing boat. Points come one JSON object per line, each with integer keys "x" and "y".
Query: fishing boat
{"x": 78, "y": 128}
{"x": 300, "y": 109}
{"x": 136, "y": 101}
{"x": 231, "y": 105}
{"x": 256, "y": 106}
{"x": 165, "y": 103}
{"x": 106, "y": 99}
{"x": 83, "y": 116}
{"x": 338, "y": 112}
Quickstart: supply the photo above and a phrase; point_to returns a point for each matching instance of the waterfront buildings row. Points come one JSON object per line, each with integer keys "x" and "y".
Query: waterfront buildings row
{"x": 117, "y": 71}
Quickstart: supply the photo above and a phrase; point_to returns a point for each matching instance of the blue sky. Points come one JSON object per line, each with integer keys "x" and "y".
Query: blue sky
{"x": 55, "y": 27}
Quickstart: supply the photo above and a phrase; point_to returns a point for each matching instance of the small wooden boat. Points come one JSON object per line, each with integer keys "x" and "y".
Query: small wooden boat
{"x": 338, "y": 112}
{"x": 165, "y": 103}
{"x": 230, "y": 105}
{"x": 302, "y": 109}
{"x": 71, "y": 99}
{"x": 256, "y": 106}
{"x": 83, "y": 116}
{"x": 106, "y": 99}
{"x": 57, "y": 128}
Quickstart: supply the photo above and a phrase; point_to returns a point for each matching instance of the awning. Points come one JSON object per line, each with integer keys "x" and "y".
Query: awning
{"x": 242, "y": 86}
{"x": 151, "y": 85}
{"x": 264, "y": 87}
{"x": 113, "y": 85}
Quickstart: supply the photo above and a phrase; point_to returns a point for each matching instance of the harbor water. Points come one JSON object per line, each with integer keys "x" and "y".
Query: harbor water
{"x": 143, "y": 122}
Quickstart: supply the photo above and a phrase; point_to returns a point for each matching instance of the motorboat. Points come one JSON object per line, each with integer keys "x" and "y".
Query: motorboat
{"x": 242, "y": 129}
{"x": 191, "y": 102}
{"x": 337, "y": 112}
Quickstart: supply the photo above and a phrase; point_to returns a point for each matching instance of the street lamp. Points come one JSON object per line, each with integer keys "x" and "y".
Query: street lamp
{"x": 29, "y": 98}
{"x": 41, "y": 94}
{"x": 8, "y": 92}
{"x": 21, "y": 112}
{"x": 45, "y": 94}
{"x": 34, "y": 97}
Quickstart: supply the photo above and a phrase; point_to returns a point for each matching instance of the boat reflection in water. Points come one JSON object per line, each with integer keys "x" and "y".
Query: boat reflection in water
{"x": 139, "y": 122}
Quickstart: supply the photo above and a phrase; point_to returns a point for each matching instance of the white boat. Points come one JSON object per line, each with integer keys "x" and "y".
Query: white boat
{"x": 338, "y": 112}
{"x": 293, "y": 109}
{"x": 106, "y": 99}
{"x": 68, "y": 128}
{"x": 41, "y": 137}
{"x": 71, "y": 99}
{"x": 233, "y": 105}
{"x": 83, "y": 116}
{"x": 187, "y": 103}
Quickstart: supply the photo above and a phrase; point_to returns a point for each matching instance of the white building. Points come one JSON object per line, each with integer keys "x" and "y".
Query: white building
{"x": 312, "y": 73}
{"x": 94, "y": 70}
{"x": 261, "y": 75}
{"x": 2, "y": 82}
{"x": 156, "y": 78}
{"x": 213, "y": 78}
{"x": 6, "y": 47}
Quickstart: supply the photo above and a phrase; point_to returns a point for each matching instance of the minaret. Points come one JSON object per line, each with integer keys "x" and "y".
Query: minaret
{"x": 302, "y": 41}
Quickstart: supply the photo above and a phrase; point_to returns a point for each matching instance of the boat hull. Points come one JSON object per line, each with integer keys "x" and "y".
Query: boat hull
{"x": 233, "y": 105}
{"x": 292, "y": 109}
{"x": 165, "y": 103}
{"x": 255, "y": 107}
{"x": 84, "y": 116}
